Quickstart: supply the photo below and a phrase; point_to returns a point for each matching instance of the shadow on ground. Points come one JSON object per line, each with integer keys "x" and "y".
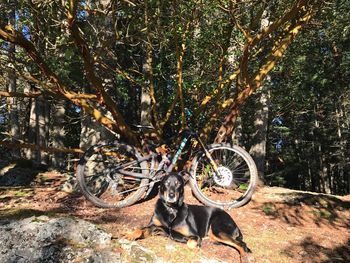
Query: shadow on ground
{"x": 313, "y": 252}
{"x": 19, "y": 173}
{"x": 297, "y": 208}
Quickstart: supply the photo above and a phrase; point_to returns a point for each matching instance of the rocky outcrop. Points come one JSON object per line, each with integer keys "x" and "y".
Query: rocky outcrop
{"x": 41, "y": 239}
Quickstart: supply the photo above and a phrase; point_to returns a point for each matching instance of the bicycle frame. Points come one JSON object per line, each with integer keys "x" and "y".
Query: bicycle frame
{"x": 119, "y": 169}
{"x": 183, "y": 144}
{"x": 186, "y": 135}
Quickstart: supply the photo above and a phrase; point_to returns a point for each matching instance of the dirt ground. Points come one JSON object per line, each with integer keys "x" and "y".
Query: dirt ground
{"x": 279, "y": 225}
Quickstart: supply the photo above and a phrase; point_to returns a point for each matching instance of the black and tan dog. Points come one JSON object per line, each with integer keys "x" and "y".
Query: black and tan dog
{"x": 190, "y": 223}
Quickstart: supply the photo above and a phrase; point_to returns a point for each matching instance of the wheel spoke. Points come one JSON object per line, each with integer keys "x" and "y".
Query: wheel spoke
{"x": 103, "y": 185}
{"x": 233, "y": 182}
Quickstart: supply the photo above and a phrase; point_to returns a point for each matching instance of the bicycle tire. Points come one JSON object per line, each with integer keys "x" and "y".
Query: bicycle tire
{"x": 99, "y": 181}
{"x": 235, "y": 186}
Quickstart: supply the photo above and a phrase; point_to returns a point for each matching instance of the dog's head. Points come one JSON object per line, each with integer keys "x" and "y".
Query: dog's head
{"x": 171, "y": 189}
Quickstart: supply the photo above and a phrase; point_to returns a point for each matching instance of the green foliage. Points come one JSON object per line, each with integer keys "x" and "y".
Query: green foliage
{"x": 269, "y": 209}
{"x": 309, "y": 89}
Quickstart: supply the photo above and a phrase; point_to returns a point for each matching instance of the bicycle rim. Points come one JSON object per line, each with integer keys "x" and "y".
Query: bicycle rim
{"x": 235, "y": 182}
{"x": 100, "y": 181}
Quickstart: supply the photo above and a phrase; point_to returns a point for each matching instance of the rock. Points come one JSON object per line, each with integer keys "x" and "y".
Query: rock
{"x": 41, "y": 239}
{"x": 137, "y": 253}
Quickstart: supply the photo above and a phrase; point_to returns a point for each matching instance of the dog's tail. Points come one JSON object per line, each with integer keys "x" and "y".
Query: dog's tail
{"x": 245, "y": 247}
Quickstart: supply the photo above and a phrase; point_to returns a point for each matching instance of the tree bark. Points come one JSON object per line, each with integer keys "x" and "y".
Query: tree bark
{"x": 31, "y": 131}
{"x": 14, "y": 127}
{"x": 146, "y": 106}
{"x": 237, "y": 133}
{"x": 40, "y": 148}
{"x": 147, "y": 90}
{"x": 42, "y": 127}
{"x": 258, "y": 149}
{"x": 58, "y": 132}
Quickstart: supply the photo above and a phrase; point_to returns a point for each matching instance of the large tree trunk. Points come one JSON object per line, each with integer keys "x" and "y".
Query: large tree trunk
{"x": 31, "y": 132}
{"x": 38, "y": 128}
{"x": 58, "y": 132}
{"x": 228, "y": 125}
{"x": 92, "y": 132}
{"x": 14, "y": 128}
{"x": 341, "y": 180}
{"x": 42, "y": 127}
{"x": 258, "y": 149}
{"x": 13, "y": 108}
{"x": 146, "y": 107}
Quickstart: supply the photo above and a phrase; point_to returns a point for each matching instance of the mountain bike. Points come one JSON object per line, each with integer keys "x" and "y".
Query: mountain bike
{"x": 116, "y": 175}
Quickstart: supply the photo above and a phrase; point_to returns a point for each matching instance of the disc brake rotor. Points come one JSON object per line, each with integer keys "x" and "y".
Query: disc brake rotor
{"x": 223, "y": 177}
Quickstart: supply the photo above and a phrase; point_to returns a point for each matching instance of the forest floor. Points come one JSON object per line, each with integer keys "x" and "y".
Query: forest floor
{"x": 279, "y": 225}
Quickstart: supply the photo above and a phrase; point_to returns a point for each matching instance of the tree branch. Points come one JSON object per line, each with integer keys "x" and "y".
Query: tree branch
{"x": 11, "y": 35}
{"x": 40, "y": 148}
{"x": 40, "y": 93}
{"x": 276, "y": 54}
{"x": 96, "y": 82}
{"x": 20, "y": 94}
{"x": 180, "y": 52}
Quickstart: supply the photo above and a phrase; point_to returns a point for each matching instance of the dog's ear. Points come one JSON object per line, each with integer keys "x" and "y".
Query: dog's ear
{"x": 185, "y": 176}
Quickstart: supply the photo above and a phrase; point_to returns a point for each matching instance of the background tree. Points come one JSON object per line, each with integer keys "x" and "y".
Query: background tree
{"x": 311, "y": 99}
{"x": 87, "y": 69}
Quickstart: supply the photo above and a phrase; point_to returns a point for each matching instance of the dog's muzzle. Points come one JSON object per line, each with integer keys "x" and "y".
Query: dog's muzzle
{"x": 171, "y": 196}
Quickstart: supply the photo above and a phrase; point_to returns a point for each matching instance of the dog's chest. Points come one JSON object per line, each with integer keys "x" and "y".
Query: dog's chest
{"x": 164, "y": 216}
{"x": 168, "y": 217}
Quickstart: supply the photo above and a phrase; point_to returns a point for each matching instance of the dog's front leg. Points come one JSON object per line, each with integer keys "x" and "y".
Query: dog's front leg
{"x": 144, "y": 232}
{"x": 140, "y": 233}
{"x": 191, "y": 241}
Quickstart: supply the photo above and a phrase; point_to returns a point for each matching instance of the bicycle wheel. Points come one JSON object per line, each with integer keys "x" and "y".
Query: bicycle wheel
{"x": 101, "y": 175}
{"x": 235, "y": 182}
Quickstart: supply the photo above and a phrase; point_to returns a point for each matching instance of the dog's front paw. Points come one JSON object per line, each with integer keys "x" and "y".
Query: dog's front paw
{"x": 191, "y": 243}
{"x": 136, "y": 234}
{"x": 248, "y": 259}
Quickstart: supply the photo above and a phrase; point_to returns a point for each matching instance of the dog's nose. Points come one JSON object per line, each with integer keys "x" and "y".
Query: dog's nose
{"x": 171, "y": 194}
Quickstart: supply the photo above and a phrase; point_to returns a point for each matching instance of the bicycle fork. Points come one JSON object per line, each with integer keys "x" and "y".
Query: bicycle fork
{"x": 208, "y": 155}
